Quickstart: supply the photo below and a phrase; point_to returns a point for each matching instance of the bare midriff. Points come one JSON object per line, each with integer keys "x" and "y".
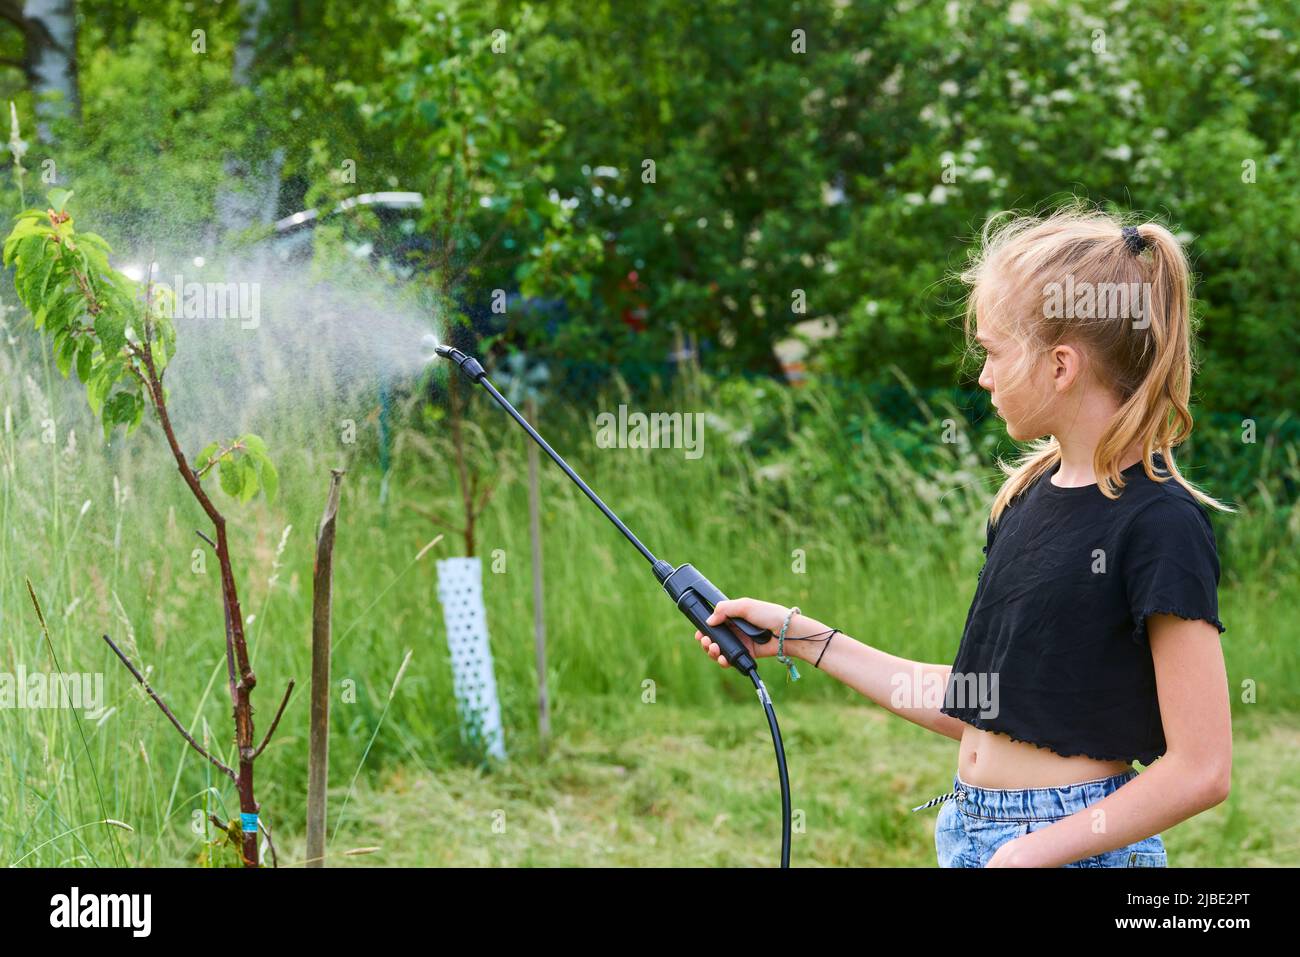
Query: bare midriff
{"x": 990, "y": 759}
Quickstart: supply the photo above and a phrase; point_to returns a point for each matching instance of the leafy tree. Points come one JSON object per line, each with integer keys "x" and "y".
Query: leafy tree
{"x": 119, "y": 337}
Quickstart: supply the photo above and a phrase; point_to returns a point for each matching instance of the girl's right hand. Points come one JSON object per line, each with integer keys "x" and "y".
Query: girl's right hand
{"x": 763, "y": 614}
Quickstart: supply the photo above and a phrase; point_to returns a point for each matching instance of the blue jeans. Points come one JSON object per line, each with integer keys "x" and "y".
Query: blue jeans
{"x": 974, "y": 822}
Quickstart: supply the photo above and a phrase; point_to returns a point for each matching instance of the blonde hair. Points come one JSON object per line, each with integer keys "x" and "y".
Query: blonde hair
{"x": 1015, "y": 281}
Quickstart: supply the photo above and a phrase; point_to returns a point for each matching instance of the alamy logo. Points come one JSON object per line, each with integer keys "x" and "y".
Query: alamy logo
{"x": 657, "y": 430}
{"x": 922, "y": 689}
{"x": 102, "y": 910}
{"x": 211, "y": 300}
{"x": 1099, "y": 300}
{"x": 37, "y": 689}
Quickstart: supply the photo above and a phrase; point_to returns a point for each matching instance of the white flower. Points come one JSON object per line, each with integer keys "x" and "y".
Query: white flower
{"x": 777, "y": 470}
{"x": 832, "y": 195}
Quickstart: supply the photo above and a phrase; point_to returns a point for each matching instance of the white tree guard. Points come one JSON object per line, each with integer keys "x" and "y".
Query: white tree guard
{"x": 460, "y": 590}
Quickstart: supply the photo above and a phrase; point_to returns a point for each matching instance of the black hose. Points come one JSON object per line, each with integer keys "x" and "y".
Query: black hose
{"x": 780, "y": 764}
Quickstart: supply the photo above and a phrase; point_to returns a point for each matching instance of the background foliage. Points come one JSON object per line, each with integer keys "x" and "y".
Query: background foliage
{"x": 857, "y": 171}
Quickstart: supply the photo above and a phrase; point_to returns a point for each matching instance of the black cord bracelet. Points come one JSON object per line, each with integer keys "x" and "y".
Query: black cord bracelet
{"x": 818, "y": 662}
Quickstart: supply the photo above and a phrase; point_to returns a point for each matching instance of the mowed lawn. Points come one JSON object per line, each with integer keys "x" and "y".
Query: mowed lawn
{"x": 657, "y": 785}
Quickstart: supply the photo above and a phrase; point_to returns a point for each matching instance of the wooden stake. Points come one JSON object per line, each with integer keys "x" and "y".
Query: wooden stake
{"x": 539, "y": 623}
{"x": 319, "y": 741}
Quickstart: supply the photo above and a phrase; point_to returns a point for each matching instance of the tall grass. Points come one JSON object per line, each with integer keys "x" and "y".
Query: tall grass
{"x": 832, "y": 519}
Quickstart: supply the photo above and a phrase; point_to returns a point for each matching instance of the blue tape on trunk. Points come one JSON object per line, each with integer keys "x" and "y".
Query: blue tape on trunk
{"x": 250, "y": 822}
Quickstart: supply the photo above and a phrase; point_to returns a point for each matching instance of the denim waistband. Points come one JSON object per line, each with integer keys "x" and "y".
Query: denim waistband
{"x": 1030, "y": 804}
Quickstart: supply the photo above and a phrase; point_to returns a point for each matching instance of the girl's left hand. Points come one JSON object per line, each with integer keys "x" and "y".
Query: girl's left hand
{"x": 1015, "y": 853}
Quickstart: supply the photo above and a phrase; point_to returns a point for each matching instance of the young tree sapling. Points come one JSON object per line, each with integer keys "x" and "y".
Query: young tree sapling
{"x": 119, "y": 337}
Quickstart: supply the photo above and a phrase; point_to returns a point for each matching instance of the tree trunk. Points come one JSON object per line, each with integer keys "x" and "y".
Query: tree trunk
{"x": 250, "y": 193}
{"x": 50, "y": 59}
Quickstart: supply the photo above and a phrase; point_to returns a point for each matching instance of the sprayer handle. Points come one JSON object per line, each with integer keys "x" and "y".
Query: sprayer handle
{"x": 694, "y": 607}
{"x": 712, "y": 596}
{"x": 752, "y": 632}
{"x": 678, "y": 581}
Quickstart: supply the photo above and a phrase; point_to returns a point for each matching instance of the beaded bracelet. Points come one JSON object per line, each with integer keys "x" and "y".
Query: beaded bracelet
{"x": 791, "y": 670}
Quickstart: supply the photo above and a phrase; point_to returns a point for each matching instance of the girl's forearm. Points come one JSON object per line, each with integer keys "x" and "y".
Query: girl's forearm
{"x": 910, "y": 689}
{"x": 1170, "y": 791}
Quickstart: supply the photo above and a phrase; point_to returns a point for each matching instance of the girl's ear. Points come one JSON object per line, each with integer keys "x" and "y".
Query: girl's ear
{"x": 1066, "y": 366}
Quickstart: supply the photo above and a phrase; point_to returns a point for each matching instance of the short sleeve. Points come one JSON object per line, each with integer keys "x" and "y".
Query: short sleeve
{"x": 1170, "y": 564}
{"x": 988, "y": 543}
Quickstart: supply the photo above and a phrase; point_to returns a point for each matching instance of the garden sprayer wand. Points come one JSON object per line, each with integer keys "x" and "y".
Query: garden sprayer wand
{"x": 694, "y": 595}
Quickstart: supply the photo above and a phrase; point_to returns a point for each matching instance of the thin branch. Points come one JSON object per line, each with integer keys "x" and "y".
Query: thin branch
{"x": 434, "y": 518}
{"x": 487, "y": 493}
{"x": 275, "y": 722}
{"x": 168, "y": 711}
{"x": 221, "y": 454}
{"x": 206, "y": 539}
{"x": 275, "y": 858}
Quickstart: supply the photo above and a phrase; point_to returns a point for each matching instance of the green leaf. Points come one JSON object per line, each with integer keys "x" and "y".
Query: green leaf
{"x": 96, "y": 240}
{"x": 110, "y": 327}
{"x": 248, "y": 478}
{"x": 270, "y": 478}
{"x": 205, "y": 456}
{"x": 138, "y": 417}
{"x": 58, "y": 198}
{"x": 65, "y": 348}
{"x": 85, "y": 353}
{"x": 24, "y": 230}
{"x": 231, "y": 477}
{"x": 46, "y": 272}
{"x": 28, "y": 253}
{"x": 254, "y": 444}
{"x": 159, "y": 349}
{"x": 124, "y": 408}
{"x": 101, "y": 383}
{"x": 58, "y": 312}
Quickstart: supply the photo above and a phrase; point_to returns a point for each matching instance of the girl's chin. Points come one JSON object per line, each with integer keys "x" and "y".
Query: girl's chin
{"x": 1022, "y": 434}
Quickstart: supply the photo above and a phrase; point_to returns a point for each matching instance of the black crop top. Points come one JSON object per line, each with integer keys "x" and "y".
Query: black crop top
{"x": 1055, "y": 648}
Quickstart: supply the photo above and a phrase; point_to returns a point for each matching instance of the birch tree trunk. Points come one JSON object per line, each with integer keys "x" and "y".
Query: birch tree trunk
{"x": 50, "y": 58}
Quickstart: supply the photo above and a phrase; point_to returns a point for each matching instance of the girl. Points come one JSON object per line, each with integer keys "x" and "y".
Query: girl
{"x": 1093, "y": 638}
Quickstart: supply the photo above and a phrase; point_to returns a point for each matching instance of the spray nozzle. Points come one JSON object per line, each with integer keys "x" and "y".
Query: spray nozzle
{"x": 468, "y": 364}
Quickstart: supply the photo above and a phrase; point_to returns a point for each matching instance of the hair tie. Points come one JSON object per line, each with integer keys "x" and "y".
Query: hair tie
{"x": 1134, "y": 240}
